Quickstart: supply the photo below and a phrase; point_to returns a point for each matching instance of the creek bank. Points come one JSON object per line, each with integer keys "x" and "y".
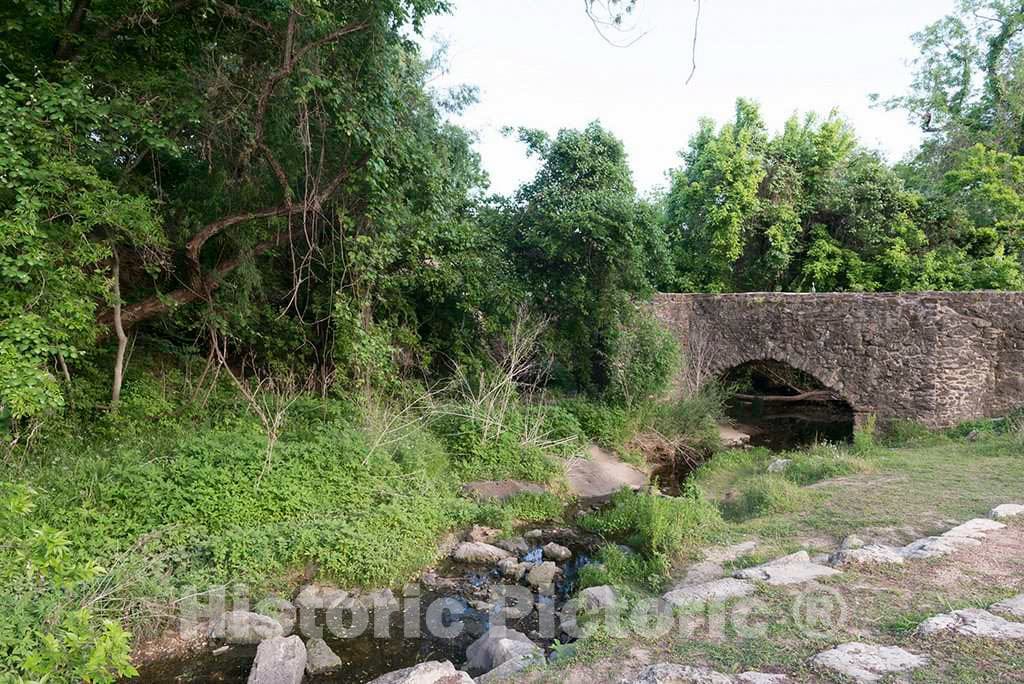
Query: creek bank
{"x": 469, "y": 588}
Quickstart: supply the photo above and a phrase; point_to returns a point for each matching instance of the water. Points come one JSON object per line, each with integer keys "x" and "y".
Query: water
{"x": 792, "y": 426}
{"x": 366, "y": 657}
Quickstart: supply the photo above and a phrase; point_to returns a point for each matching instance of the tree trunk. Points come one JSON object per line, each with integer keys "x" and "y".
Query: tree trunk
{"x": 122, "y": 339}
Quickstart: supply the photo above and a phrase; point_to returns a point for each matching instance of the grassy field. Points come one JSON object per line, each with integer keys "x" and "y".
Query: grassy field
{"x": 888, "y": 494}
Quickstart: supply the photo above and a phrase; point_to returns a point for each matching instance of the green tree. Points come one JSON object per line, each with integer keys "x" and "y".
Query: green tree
{"x": 577, "y": 234}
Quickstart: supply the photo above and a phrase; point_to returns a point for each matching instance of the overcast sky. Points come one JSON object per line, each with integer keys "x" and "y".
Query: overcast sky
{"x": 540, "y": 63}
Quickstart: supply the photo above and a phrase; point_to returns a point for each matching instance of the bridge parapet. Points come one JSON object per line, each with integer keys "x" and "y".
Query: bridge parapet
{"x": 935, "y": 357}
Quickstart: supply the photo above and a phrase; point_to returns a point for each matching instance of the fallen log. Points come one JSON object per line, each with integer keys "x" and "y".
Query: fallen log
{"x": 814, "y": 395}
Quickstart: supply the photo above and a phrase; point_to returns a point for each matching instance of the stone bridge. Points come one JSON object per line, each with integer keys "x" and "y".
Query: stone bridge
{"x": 937, "y": 358}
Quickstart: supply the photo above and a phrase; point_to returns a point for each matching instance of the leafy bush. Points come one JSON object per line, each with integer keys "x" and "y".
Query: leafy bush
{"x": 906, "y": 433}
{"x": 822, "y": 462}
{"x": 44, "y": 634}
{"x": 693, "y": 419}
{"x": 864, "y": 437}
{"x": 657, "y": 526}
{"x": 765, "y": 495}
{"x": 487, "y": 452}
{"x": 521, "y": 508}
{"x": 608, "y": 426}
{"x": 623, "y": 568}
{"x": 642, "y": 356}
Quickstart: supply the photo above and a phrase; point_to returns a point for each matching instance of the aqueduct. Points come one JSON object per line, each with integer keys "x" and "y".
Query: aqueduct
{"x": 937, "y": 358}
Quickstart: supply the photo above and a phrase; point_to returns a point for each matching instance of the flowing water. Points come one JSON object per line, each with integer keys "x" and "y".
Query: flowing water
{"x": 459, "y": 592}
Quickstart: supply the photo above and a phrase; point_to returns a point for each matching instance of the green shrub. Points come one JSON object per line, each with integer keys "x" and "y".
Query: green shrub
{"x": 765, "y": 495}
{"x": 693, "y": 418}
{"x": 623, "y": 568}
{"x": 491, "y": 452}
{"x": 45, "y": 634}
{"x": 864, "y": 437}
{"x": 822, "y": 462}
{"x": 657, "y": 526}
{"x": 642, "y": 356}
{"x": 906, "y": 433}
{"x": 521, "y": 508}
{"x": 609, "y": 426}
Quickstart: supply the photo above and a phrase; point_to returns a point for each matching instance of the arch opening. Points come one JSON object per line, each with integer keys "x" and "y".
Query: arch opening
{"x": 783, "y": 407}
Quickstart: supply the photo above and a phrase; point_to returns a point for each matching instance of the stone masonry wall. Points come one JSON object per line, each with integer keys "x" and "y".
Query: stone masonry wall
{"x": 938, "y": 358}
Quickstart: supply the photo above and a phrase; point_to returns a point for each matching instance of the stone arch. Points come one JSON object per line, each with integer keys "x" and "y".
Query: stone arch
{"x": 831, "y": 382}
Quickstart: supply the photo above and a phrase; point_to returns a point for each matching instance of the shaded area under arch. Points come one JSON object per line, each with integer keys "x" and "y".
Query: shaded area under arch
{"x": 782, "y": 407}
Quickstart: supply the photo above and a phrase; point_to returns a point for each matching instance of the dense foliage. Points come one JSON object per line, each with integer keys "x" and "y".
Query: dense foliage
{"x": 257, "y": 216}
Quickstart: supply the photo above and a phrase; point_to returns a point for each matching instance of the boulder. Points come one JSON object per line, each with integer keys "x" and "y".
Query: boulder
{"x": 497, "y": 646}
{"x": 320, "y": 659}
{"x": 974, "y": 529}
{"x": 542, "y": 575}
{"x": 795, "y": 568}
{"x": 779, "y": 465}
{"x": 852, "y": 542}
{"x": 281, "y": 610}
{"x": 479, "y": 553}
{"x": 867, "y": 662}
{"x": 505, "y": 671}
{"x": 479, "y": 533}
{"x": 708, "y": 592}
{"x": 670, "y": 673}
{"x": 514, "y": 545}
{"x": 280, "y": 660}
{"x": 873, "y": 554}
{"x": 243, "y": 627}
{"x": 971, "y": 533}
{"x": 1006, "y": 511}
{"x": 314, "y": 597}
{"x": 534, "y": 535}
{"x": 1013, "y": 607}
{"x": 431, "y": 672}
{"x": 972, "y": 622}
{"x": 556, "y": 552}
{"x": 512, "y": 569}
{"x": 596, "y": 599}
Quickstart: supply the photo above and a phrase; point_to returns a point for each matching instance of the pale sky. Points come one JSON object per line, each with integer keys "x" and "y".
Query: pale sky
{"x": 540, "y": 63}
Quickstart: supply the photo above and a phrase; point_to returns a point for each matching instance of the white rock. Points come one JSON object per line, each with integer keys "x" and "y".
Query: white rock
{"x": 595, "y": 599}
{"x": 542, "y": 575}
{"x": 556, "y": 552}
{"x": 867, "y": 662}
{"x": 1011, "y": 606}
{"x": 281, "y": 660}
{"x": 320, "y": 659}
{"x": 972, "y": 622}
{"x": 507, "y": 669}
{"x": 934, "y": 547}
{"x": 971, "y": 533}
{"x": 795, "y": 568}
{"x": 320, "y": 597}
{"x": 497, "y": 646}
{"x": 852, "y": 542}
{"x": 670, "y": 673}
{"x": 243, "y": 627}
{"x": 974, "y": 529}
{"x": 873, "y": 554}
{"x": 779, "y": 465}
{"x": 761, "y": 678}
{"x": 432, "y": 672}
{"x": 479, "y": 553}
{"x": 1006, "y": 511}
{"x": 709, "y": 592}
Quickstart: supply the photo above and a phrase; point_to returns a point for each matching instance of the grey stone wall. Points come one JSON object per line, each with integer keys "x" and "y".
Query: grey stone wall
{"x": 938, "y": 358}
